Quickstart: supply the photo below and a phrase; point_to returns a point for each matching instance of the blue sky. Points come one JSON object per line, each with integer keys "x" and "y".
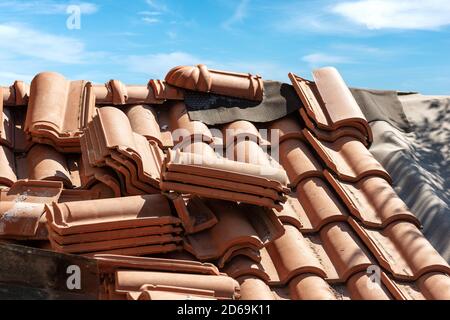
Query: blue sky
{"x": 383, "y": 44}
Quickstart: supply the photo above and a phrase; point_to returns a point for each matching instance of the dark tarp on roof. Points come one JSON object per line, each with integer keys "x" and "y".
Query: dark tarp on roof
{"x": 279, "y": 100}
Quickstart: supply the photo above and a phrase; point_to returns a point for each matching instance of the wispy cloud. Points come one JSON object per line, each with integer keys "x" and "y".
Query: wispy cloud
{"x": 25, "y": 41}
{"x": 396, "y": 14}
{"x": 46, "y": 7}
{"x": 239, "y": 14}
{"x": 156, "y": 12}
{"x": 157, "y": 6}
{"x": 320, "y": 59}
{"x": 150, "y": 20}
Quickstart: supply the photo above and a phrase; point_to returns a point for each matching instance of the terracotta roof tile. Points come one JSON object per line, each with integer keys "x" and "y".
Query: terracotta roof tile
{"x": 332, "y": 136}
{"x": 402, "y": 249}
{"x": 133, "y": 275}
{"x": 45, "y": 163}
{"x": 15, "y": 95}
{"x": 372, "y": 200}
{"x": 184, "y": 128}
{"x": 200, "y": 78}
{"x": 33, "y": 191}
{"x": 298, "y": 161}
{"x": 144, "y": 121}
{"x": 194, "y": 213}
{"x": 58, "y": 116}
{"x": 348, "y": 158}
{"x": 222, "y": 286}
{"x": 236, "y": 228}
{"x": 110, "y": 214}
{"x": 289, "y": 127}
{"x": 242, "y": 130}
{"x": 7, "y": 166}
{"x": 115, "y": 92}
{"x": 20, "y": 219}
{"x": 329, "y": 103}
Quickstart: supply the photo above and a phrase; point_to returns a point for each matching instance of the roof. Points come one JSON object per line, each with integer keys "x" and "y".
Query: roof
{"x": 172, "y": 208}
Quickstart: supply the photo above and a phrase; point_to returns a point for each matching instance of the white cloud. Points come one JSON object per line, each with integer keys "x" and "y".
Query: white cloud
{"x": 150, "y": 20}
{"x": 156, "y": 5}
{"x": 396, "y": 14}
{"x": 46, "y": 7}
{"x": 323, "y": 59}
{"x": 239, "y": 14}
{"x": 20, "y": 40}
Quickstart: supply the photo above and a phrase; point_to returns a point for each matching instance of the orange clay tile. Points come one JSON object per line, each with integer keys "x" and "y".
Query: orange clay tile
{"x": 147, "y": 156}
{"x": 373, "y": 201}
{"x": 402, "y": 249}
{"x": 348, "y": 158}
{"x": 158, "y": 292}
{"x": 7, "y": 166}
{"x": 431, "y": 286}
{"x": 298, "y": 161}
{"x": 332, "y": 136}
{"x": 309, "y": 286}
{"x": 241, "y": 130}
{"x": 20, "y": 219}
{"x": 319, "y": 203}
{"x": 344, "y": 249}
{"x": 111, "y": 263}
{"x": 58, "y": 109}
{"x": 287, "y": 257}
{"x": 109, "y": 214}
{"x": 220, "y": 194}
{"x": 289, "y": 127}
{"x": 249, "y": 252}
{"x": 293, "y": 213}
{"x": 248, "y": 151}
{"x": 194, "y": 214}
{"x": 151, "y": 292}
{"x": 70, "y": 195}
{"x": 6, "y": 125}
{"x": 253, "y": 288}
{"x": 233, "y": 229}
{"x": 329, "y": 102}
{"x": 223, "y": 287}
{"x": 222, "y": 168}
{"x": 116, "y": 93}
{"x": 15, "y": 95}
{"x": 21, "y": 143}
{"x": 361, "y": 287}
{"x": 45, "y": 163}
{"x": 223, "y": 184}
{"x": 100, "y": 179}
{"x": 435, "y": 286}
{"x": 103, "y": 139}
{"x": 114, "y": 234}
{"x": 132, "y": 187}
{"x": 183, "y": 128}
{"x": 144, "y": 121}
{"x": 112, "y": 244}
{"x": 140, "y": 250}
{"x": 292, "y": 255}
{"x": 200, "y": 78}
{"x": 33, "y": 191}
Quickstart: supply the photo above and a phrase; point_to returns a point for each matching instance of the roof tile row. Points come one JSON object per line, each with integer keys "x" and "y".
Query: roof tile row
{"x": 321, "y": 224}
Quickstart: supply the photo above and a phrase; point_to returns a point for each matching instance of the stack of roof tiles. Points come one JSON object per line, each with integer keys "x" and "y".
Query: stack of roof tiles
{"x": 130, "y": 225}
{"x": 116, "y": 172}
